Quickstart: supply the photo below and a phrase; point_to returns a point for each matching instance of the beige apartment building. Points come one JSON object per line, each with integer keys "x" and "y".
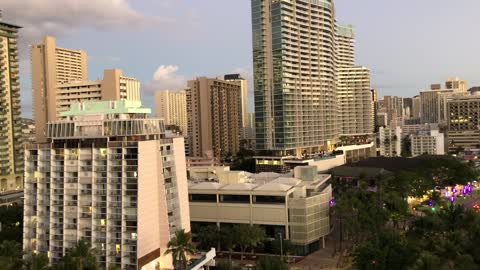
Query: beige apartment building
{"x": 390, "y": 141}
{"x": 296, "y": 206}
{"x": 11, "y": 143}
{"x": 294, "y": 62}
{"x": 464, "y": 122}
{"x": 109, "y": 176}
{"x": 59, "y": 79}
{"x": 456, "y": 84}
{"x": 214, "y": 116}
{"x": 51, "y": 66}
{"x": 244, "y": 95}
{"x": 356, "y": 112}
{"x": 171, "y": 106}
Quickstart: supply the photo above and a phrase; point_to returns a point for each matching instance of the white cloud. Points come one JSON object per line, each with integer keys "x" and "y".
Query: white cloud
{"x": 166, "y": 77}
{"x": 64, "y": 17}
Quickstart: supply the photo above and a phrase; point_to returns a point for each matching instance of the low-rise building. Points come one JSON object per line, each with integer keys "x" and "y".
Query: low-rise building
{"x": 297, "y": 206}
{"x": 429, "y": 142}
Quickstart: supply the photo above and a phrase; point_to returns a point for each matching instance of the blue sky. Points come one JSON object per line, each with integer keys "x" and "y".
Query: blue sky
{"x": 407, "y": 44}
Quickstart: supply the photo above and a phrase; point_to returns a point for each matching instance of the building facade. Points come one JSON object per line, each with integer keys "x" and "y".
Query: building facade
{"x": 51, "y": 66}
{"x": 345, "y": 45}
{"x": 294, "y": 66}
{"x": 433, "y": 106}
{"x": 214, "y": 116}
{"x": 11, "y": 143}
{"x": 171, "y": 106}
{"x": 280, "y": 204}
{"x": 430, "y": 143}
{"x": 107, "y": 176}
{"x": 464, "y": 122}
{"x": 113, "y": 86}
{"x": 390, "y": 142}
{"x": 355, "y": 103}
{"x": 244, "y": 95}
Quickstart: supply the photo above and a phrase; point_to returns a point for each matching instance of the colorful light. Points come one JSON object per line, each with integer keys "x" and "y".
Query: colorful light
{"x": 430, "y": 203}
{"x": 452, "y": 199}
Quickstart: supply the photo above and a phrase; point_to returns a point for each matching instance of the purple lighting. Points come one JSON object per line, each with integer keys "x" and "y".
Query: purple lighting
{"x": 452, "y": 199}
{"x": 430, "y": 203}
{"x": 332, "y": 202}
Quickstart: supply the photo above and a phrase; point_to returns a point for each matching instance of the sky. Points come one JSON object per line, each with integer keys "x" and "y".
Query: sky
{"x": 407, "y": 44}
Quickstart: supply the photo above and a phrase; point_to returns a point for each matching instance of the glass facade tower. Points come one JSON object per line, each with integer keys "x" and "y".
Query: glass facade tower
{"x": 294, "y": 65}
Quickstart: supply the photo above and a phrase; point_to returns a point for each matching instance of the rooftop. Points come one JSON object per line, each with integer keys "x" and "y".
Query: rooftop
{"x": 106, "y": 107}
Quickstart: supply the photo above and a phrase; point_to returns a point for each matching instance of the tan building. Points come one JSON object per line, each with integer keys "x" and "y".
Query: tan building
{"x": 433, "y": 105}
{"x": 59, "y": 78}
{"x": 11, "y": 145}
{"x": 464, "y": 122}
{"x": 297, "y": 207}
{"x": 171, "y": 106}
{"x": 109, "y": 176}
{"x": 416, "y": 105}
{"x": 456, "y": 84}
{"x": 244, "y": 95}
{"x": 114, "y": 86}
{"x": 393, "y": 106}
{"x": 214, "y": 116}
{"x": 51, "y": 66}
{"x": 294, "y": 62}
{"x": 355, "y": 102}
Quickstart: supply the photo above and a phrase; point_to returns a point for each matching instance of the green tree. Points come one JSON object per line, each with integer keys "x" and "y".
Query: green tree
{"x": 208, "y": 237}
{"x": 248, "y": 236}
{"x": 10, "y": 255}
{"x": 179, "y": 247}
{"x": 271, "y": 263}
{"x": 389, "y": 250}
{"x": 35, "y": 261}
{"x": 80, "y": 257}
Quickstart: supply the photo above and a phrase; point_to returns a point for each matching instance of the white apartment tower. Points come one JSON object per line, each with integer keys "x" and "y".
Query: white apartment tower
{"x": 171, "y": 106}
{"x": 355, "y": 101}
{"x": 108, "y": 176}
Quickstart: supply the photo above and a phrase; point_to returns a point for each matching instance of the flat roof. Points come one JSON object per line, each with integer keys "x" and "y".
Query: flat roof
{"x": 106, "y": 107}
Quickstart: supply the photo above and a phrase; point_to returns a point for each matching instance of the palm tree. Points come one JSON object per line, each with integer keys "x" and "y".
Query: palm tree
{"x": 81, "y": 257}
{"x": 36, "y": 261}
{"x": 179, "y": 247}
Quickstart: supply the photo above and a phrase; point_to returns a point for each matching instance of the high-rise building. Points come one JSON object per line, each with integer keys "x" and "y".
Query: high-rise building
{"x": 108, "y": 176}
{"x": 244, "y": 95}
{"x": 171, "y": 106}
{"x": 214, "y": 112}
{"x": 416, "y": 107}
{"x": 355, "y": 103}
{"x": 356, "y": 112}
{"x": 114, "y": 86}
{"x": 464, "y": 122}
{"x": 59, "y": 78}
{"x": 345, "y": 45}
{"x": 393, "y": 106}
{"x": 11, "y": 146}
{"x": 456, "y": 84}
{"x": 433, "y": 105}
{"x": 51, "y": 66}
{"x": 294, "y": 64}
